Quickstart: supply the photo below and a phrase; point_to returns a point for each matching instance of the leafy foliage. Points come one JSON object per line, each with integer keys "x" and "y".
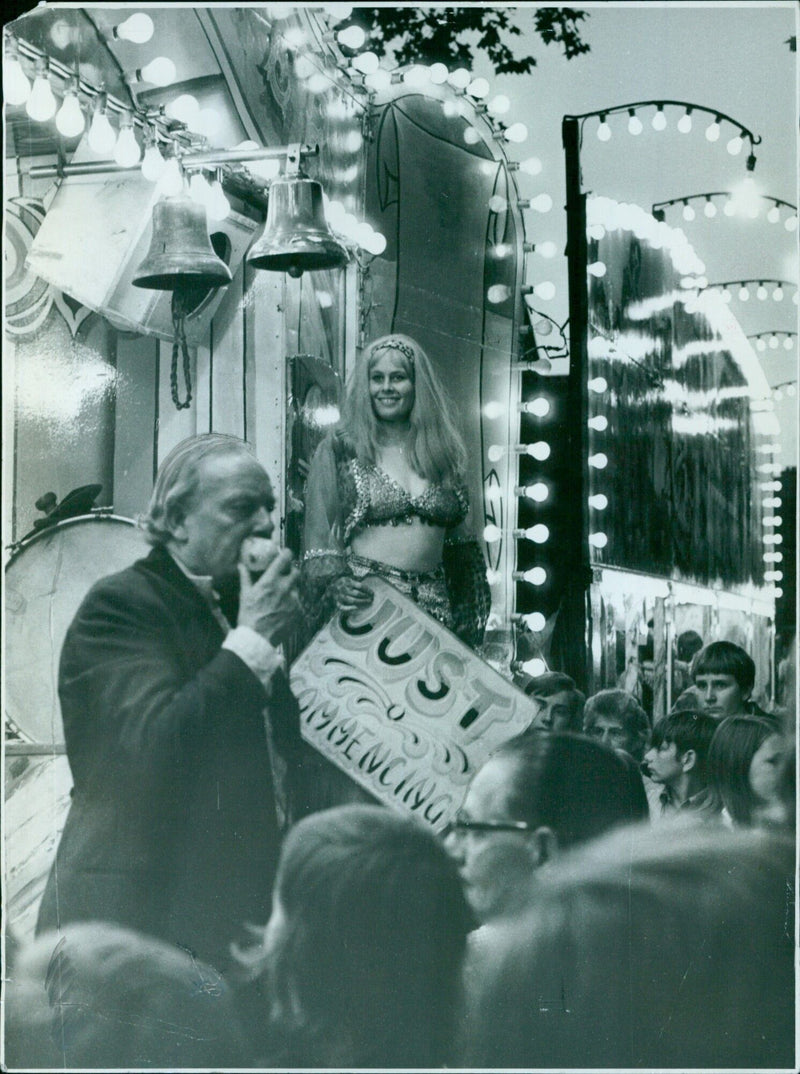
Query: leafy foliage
{"x": 453, "y": 35}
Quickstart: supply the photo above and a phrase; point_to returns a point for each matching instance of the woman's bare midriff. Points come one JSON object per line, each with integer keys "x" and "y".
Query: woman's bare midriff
{"x": 413, "y": 546}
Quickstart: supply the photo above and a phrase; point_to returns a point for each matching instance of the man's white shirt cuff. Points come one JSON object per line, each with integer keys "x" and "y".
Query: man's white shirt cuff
{"x": 261, "y": 656}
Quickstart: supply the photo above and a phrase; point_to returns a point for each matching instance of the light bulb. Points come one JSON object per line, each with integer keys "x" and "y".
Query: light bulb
{"x": 539, "y": 534}
{"x": 546, "y": 249}
{"x": 710, "y": 209}
{"x": 535, "y": 621}
{"x": 516, "y": 133}
{"x": 688, "y": 213}
{"x": 492, "y": 534}
{"x": 771, "y": 501}
{"x": 493, "y": 410}
{"x": 199, "y": 189}
{"x": 539, "y": 407}
{"x": 378, "y": 81}
{"x": 460, "y": 78}
{"x": 41, "y": 104}
{"x": 218, "y": 205}
{"x": 744, "y": 293}
{"x": 761, "y": 344}
{"x": 596, "y": 231}
{"x": 417, "y": 76}
{"x": 777, "y": 294}
{"x": 598, "y": 461}
{"x": 788, "y": 343}
{"x": 534, "y": 667}
{"x": 635, "y": 125}
{"x": 604, "y": 132}
{"x": 351, "y": 37}
{"x": 267, "y": 169}
{"x": 536, "y": 576}
{"x": 729, "y": 208}
{"x": 772, "y": 520}
{"x": 546, "y": 290}
{"x": 598, "y": 385}
{"x": 153, "y": 163}
{"x": 366, "y": 62}
{"x": 599, "y": 501}
{"x": 438, "y": 74}
{"x": 531, "y": 166}
{"x": 790, "y": 223}
{"x": 184, "y": 108}
{"x": 773, "y": 576}
{"x": 478, "y": 88}
{"x": 773, "y": 557}
{"x": 376, "y": 244}
{"x": 102, "y": 136}
{"x": 160, "y": 72}
{"x": 538, "y": 492}
{"x": 761, "y": 292}
{"x": 599, "y": 423}
{"x": 685, "y": 123}
{"x": 539, "y": 450}
{"x": 498, "y": 293}
{"x": 16, "y": 84}
{"x": 137, "y": 28}
{"x": 773, "y": 343}
{"x": 597, "y": 269}
{"x": 497, "y": 204}
{"x": 171, "y": 182}
{"x": 495, "y": 453}
{"x": 70, "y": 119}
{"x": 598, "y": 540}
{"x": 774, "y": 215}
{"x": 127, "y": 151}
{"x": 542, "y": 203}
{"x": 659, "y": 120}
{"x": 499, "y": 105}
{"x": 712, "y": 131}
{"x": 735, "y": 145}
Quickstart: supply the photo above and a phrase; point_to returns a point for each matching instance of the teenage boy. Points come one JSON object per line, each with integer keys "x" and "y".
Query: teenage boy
{"x": 676, "y": 760}
{"x": 725, "y": 676}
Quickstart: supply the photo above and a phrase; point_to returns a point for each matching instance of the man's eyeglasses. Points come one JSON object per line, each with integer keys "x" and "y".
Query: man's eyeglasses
{"x": 464, "y": 824}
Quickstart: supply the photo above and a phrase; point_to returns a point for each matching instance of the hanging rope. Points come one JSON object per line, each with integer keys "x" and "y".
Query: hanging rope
{"x": 179, "y": 311}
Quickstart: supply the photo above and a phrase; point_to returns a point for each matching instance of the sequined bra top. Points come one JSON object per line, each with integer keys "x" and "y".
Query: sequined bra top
{"x": 380, "y": 501}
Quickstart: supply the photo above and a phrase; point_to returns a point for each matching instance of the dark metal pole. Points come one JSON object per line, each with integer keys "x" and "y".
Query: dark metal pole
{"x": 579, "y": 575}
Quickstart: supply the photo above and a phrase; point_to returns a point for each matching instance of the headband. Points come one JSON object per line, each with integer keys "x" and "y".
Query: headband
{"x": 395, "y": 345}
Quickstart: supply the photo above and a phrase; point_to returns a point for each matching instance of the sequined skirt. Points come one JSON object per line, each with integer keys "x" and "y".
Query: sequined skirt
{"x": 428, "y": 589}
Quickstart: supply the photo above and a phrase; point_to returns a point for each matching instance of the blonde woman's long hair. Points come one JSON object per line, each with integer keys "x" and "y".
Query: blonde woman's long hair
{"x": 435, "y": 449}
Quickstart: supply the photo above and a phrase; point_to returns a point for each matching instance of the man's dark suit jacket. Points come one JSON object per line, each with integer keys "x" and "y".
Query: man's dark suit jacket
{"x": 172, "y": 828}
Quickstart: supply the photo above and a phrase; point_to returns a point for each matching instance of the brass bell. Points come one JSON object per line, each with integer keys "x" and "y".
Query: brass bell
{"x": 296, "y": 236}
{"x": 180, "y": 251}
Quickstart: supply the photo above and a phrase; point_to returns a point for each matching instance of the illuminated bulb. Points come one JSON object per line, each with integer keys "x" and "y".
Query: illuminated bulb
{"x": 102, "y": 136}
{"x": 497, "y": 293}
{"x": 772, "y": 520}
{"x": 744, "y": 293}
{"x": 16, "y": 84}
{"x": 634, "y": 125}
{"x": 545, "y": 290}
{"x": 777, "y": 593}
{"x": 778, "y": 394}
{"x": 497, "y": 204}
{"x": 378, "y": 81}
{"x": 596, "y": 232}
{"x": 494, "y": 577}
{"x": 294, "y": 36}
{"x": 353, "y": 141}
{"x": 199, "y": 189}
{"x": 495, "y": 453}
{"x": 376, "y": 244}
{"x": 127, "y": 151}
{"x": 351, "y": 37}
{"x": 710, "y": 209}
{"x": 460, "y": 78}
{"x": 726, "y": 296}
{"x": 600, "y": 423}
{"x": 773, "y": 557}
{"x": 501, "y": 250}
{"x": 685, "y": 123}
{"x": 160, "y": 72}
{"x": 41, "y": 104}
{"x": 540, "y": 407}
{"x": 761, "y": 292}
{"x": 493, "y": 410}
{"x": 761, "y": 344}
{"x": 598, "y": 385}
{"x": 712, "y": 131}
{"x": 478, "y": 88}
{"x": 218, "y": 205}
{"x": 538, "y": 492}
{"x": 318, "y": 82}
{"x": 531, "y": 166}
{"x": 770, "y": 486}
{"x": 516, "y": 133}
{"x": 735, "y": 145}
{"x": 597, "y": 269}
{"x": 729, "y": 208}
{"x": 774, "y": 215}
{"x": 171, "y": 182}
{"x": 598, "y": 461}
{"x": 267, "y": 169}
{"x": 772, "y": 538}
{"x": 599, "y": 502}
{"x": 788, "y": 343}
{"x": 771, "y": 501}
{"x": 598, "y": 540}
{"x": 471, "y": 136}
{"x": 773, "y": 343}
{"x": 604, "y": 132}
{"x": 536, "y": 576}
{"x": 546, "y": 249}
{"x": 790, "y": 223}
{"x": 539, "y": 450}
{"x": 137, "y": 28}
{"x": 542, "y": 203}
{"x": 538, "y": 534}
{"x": 438, "y": 74}
{"x": 499, "y": 105}
{"x": 659, "y": 120}
{"x": 534, "y": 667}
{"x": 153, "y": 163}
{"x": 777, "y": 294}
{"x": 492, "y": 534}
{"x": 417, "y": 76}
{"x": 70, "y": 120}
{"x": 184, "y": 108}
{"x": 535, "y": 621}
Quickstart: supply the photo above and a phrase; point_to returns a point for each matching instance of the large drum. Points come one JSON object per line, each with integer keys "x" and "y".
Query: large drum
{"x": 46, "y": 580}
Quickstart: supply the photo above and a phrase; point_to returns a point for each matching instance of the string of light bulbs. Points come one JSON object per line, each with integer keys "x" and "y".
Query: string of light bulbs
{"x": 772, "y": 339}
{"x": 730, "y": 207}
{"x": 684, "y": 124}
{"x": 762, "y": 294}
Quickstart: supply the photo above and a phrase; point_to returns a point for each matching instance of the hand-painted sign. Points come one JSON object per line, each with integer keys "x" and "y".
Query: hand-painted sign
{"x": 402, "y": 706}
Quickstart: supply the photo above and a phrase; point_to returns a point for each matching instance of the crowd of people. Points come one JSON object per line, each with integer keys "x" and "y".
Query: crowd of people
{"x": 612, "y": 892}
